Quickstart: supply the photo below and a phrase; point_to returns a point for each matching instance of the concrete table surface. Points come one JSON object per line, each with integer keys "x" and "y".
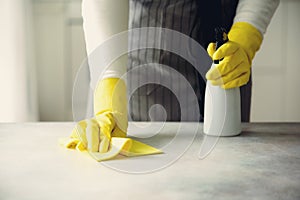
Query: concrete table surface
{"x": 262, "y": 163}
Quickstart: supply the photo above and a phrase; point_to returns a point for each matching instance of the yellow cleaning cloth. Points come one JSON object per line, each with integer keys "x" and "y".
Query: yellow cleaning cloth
{"x": 104, "y": 136}
{"x": 118, "y": 145}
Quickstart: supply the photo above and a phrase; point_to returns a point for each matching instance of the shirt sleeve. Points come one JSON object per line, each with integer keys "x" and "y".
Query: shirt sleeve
{"x": 101, "y": 20}
{"x": 256, "y": 12}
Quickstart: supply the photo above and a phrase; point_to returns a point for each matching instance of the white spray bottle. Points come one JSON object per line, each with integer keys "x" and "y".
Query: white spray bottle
{"x": 222, "y": 109}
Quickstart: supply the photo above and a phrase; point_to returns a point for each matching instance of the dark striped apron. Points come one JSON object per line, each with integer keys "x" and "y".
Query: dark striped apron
{"x": 195, "y": 18}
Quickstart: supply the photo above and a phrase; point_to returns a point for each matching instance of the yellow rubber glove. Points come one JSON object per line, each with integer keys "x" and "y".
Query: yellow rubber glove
{"x": 103, "y": 136}
{"x": 237, "y": 54}
{"x": 110, "y": 108}
{"x": 86, "y": 140}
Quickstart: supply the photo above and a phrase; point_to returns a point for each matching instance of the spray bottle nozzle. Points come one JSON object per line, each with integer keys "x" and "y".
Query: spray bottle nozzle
{"x": 221, "y": 38}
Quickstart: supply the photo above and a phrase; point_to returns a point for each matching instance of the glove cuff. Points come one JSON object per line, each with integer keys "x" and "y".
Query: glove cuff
{"x": 110, "y": 96}
{"x": 247, "y": 36}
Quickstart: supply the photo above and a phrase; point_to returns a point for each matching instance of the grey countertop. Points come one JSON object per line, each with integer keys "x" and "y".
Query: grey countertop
{"x": 262, "y": 163}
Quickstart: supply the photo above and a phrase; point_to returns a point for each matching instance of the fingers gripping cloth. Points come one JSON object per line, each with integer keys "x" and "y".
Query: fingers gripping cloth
{"x": 104, "y": 136}
{"x": 118, "y": 145}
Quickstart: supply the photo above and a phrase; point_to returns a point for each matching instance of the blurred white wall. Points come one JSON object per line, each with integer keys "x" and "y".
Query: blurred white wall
{"x": 276, "y": 68}
{"x": 60, "y": 49}
{"x": 17, "y": 70}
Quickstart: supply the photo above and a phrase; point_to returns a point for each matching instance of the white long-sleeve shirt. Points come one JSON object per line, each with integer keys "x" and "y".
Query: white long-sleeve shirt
{"x": 256, "y": 12}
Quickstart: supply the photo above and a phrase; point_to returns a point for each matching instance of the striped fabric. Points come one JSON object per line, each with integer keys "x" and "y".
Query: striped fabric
{"x": 195, "y": 18}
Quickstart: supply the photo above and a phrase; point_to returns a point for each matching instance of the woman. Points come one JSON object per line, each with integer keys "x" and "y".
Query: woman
{"x": 246, "y": 21}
